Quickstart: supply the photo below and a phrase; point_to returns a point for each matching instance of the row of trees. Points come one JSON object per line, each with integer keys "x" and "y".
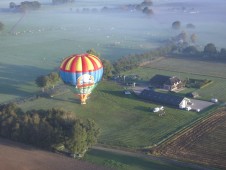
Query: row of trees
{"x": 177, "y": 25}
{"x": 132, "y": 61}
{"x": 209, "y": 50}
{"x": 62, "y": 1}
{"x": 25, "y": 5}
{"x": 144, "y": 7}
{"x": 47, "y": 128}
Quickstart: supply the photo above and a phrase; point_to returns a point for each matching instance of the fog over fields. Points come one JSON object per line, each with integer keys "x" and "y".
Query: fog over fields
{"x": 40, "y": 39}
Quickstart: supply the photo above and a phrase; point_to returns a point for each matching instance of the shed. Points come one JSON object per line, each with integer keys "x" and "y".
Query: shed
{"x": 163, "y": 98}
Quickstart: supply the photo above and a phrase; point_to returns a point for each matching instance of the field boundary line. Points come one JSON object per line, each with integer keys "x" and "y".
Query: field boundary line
{"x": 171, "y": 70}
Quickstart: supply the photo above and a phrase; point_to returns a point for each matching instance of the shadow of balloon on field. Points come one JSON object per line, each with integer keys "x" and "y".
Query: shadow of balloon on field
{"x": 13, "y": 77}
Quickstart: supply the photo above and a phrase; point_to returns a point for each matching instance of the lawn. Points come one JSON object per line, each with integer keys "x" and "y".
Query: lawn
{"x": 125, "y": 120}
{"x": 127, "y": 162}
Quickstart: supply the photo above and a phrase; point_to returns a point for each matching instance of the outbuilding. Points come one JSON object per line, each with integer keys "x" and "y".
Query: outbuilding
{"x": 164, "y": 98}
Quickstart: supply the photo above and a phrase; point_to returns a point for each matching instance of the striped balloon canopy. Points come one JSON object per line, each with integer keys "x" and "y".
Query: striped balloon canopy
{"x": 82, "y": 72}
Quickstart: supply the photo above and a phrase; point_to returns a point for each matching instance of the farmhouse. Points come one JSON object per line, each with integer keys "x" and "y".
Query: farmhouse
{"x": 166, "y": 82}
{"x": 163, "y": 98}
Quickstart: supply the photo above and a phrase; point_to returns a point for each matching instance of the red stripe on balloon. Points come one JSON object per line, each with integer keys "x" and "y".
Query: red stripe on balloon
{"x": 84, "y": 64}
{"x": 65, "y": 63}
{"x": 73, "y": 64}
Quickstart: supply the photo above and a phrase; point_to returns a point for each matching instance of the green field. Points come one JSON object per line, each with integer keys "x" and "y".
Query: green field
{"x": 125, "y": 120}
{"x": 127, "y": 162}
{"x": 43, "y": 38}
{"x": 184, "y": 68}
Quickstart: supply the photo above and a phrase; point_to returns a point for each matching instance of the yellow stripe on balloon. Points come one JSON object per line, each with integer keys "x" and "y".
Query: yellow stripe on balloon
{"x": 96, "y": 60}
{"x": 79, "y": 64}
{"x": 89, "y": 64}
{"x": 68, "y": 65}
{"x": 63, "y": 62}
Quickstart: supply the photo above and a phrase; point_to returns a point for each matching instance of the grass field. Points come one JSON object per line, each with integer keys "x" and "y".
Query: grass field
{"x": 124, "y": 120}
{"x": 185, "y": 68}
{"x": 128, "y": 162}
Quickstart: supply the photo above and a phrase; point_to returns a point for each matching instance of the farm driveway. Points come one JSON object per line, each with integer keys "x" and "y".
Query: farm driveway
{"x": 200, "y": 104}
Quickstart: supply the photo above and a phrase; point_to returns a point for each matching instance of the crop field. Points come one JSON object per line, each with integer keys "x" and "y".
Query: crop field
{"x": 203, "y": 143}
{"x": 14, "y": 156}
{"x": 185, "y": 68}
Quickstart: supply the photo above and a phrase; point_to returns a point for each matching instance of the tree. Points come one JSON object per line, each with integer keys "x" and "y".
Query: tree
{"x": 1, "y": 26}
{"x": 106, "y": 64}
{"x": 223, "y": 53}
{"x": 147, "y": 3}
{"x": 62, "y": 1}
{"x": 53, "y": 78}
{"x": 193, "y": 38}
{"x": 210, "y": 49}
{"x": 183, "y": 36}
{"x": 191, "y": 26}
{"x": 190, "y": 50}
{"x": 107, "y": 68}
{"x": 93, "y": 52}
{"x": 83, "y": 135}
{"x": 148, "y": 11}
{"x": 176, "y": 25}
{"x": 42, "y": 81}
{"x": 12, "y": 5}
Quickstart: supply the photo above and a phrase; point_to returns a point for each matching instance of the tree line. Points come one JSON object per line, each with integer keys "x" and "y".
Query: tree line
{"x": 25, "y": 5}
{"x": 48, "y": 128}
{"x": 62, "y": 1}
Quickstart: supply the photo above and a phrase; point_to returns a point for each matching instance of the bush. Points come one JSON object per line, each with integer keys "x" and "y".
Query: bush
{"x": 176, "y": 25}
{"x": 1, "y": 26}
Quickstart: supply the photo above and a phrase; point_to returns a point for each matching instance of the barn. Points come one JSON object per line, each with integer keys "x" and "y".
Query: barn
{"x": 164, "y": 98}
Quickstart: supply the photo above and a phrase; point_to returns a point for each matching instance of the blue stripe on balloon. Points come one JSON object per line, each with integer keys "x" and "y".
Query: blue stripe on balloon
{"x": 71, "y": 78}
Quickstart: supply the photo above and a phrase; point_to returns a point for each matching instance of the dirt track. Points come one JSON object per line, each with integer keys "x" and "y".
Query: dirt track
{"x": 14, "y": 156}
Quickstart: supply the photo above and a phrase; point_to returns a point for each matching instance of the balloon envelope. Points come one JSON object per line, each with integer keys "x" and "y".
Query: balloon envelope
{"x": 82, "y": 72}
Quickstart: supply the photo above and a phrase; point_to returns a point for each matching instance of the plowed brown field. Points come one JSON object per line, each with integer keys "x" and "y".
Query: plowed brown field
{"x": 14, "y": 156}
{"x": 204, "y": 143}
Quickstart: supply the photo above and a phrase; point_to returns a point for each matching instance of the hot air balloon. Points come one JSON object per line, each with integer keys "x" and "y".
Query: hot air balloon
{"x": 82, "y": 72}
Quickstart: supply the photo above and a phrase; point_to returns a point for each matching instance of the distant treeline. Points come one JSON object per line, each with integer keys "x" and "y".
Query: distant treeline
{"x": 176, "y": 45}
{"x": 62, "y": 1}
{"x": 132, "y": 61}
{"x": 47, "y": 128}
{"x": 25, "y": 5}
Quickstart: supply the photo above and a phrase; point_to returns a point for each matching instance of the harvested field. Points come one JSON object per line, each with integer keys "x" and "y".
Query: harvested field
{"x": 204, "y": 143}
{"x": 14, "y": 156}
